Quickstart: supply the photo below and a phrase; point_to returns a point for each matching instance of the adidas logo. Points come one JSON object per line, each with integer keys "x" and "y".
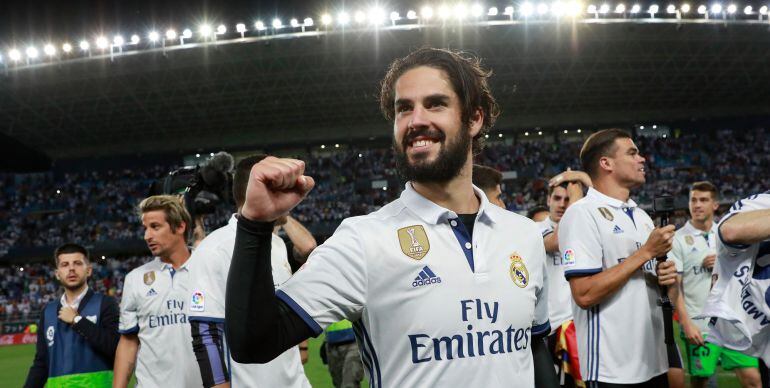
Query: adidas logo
{"x": 151, "y": 292}
{"x": 425, "y": 277}
{"x": 617, "y": 230}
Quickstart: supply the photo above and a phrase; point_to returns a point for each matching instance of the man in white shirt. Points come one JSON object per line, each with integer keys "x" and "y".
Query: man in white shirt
{"x": 694, "y": 252}
{"x": 155, "y": 334}
{"x": 738, "y": 303}
{"x": 609, "y": 246}
{"x": 564, "y": 189}
{"x": 440, "y": 292}
{"x": 209, "y": 265}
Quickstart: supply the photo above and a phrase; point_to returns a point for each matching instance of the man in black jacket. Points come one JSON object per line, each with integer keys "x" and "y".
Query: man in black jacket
{"x": 78, "y": 334}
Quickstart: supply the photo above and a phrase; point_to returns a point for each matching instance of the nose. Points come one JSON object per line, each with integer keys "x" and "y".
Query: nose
{"x": 419, "y": 118}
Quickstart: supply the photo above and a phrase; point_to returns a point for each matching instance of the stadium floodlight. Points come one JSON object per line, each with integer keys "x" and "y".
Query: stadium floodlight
{"x": 653, "y": 10}
{"x": 118, "y": 41}
{"x": 102, "y": 43}
{"x": 526, "y": 133}
{"x": 492, "y": 11}
{"x": 394, "y": 16}
{"x": 259, "y": 25}
{"x": 377, "y": 16}
{"x": 49, "y": 50}
{"x": 748, "y": 10}
{"x": 477, "y": 10}
{"x": 499, "y": 135}
{"x": 343, "y": 18}
{"x": 702, "y": 10}
{"x": 540, "y": 133}
{"x": 557, "y": 9}
{"x": 31, "y": 52}
{"x": 604, "y": 9}
{"x": 170, "y": 34}
{"x": 732, "y": 8}
{"x": 187, "y": 33}
{"x": 444, "y": 12}
{"x": 459, "y": 11}
{"x": 84, "y": 45}
{"x": 620, "y": 8}
{"x": 15, "y": 55}
{"x": 294, "y": 23}
{"x": 411, "y": 14}
{"x": 277, "y": 23}
{"x": 671, "y": 9}
{"x": 508, "y": 11}
{"x": 135, "y": 39}
{"x": 542, "y": 9}
{"x": 308, "y": 22}
{"x": 153, "y": 36}
{"x": 221, "y": 29}
{"x": 591, "y": 9}
{"x": 527, "y": 9}
{"x": 204, "y": 30}
{"x": 685, "y": 8}
{"x": 574, "y": 8}
{"x": 359, "y": 17}
{"x": 326, "y": 19}
{"x": 67, "y": 48}
{"x": 579, "y": 130}
{"x": 763, "y": 10}
{"x": 636, "y": 8}
{"x": 426, "y": 13}
{"x": 716, "y": 8}
{"x": 240, "y": 28}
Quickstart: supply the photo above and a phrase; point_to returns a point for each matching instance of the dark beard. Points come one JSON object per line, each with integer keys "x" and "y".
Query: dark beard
{"x": 448, "y": 163}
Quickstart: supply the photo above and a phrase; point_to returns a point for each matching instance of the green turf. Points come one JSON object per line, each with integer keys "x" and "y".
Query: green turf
{"x": 15, "y": 362}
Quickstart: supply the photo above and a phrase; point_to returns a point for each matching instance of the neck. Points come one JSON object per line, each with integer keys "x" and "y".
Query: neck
{"x": 177, "y": 257}
{"x": 71, "y": 294}
{"x": 456, "y": 195}
{"x": 612, "y": 189}
{"x": 703, "y": 226}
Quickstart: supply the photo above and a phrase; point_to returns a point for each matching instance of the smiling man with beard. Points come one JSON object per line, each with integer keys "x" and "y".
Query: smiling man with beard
{"x": 442, "y": 287}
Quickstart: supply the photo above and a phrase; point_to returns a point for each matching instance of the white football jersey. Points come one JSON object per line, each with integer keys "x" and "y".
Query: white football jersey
{"x": 559, "y": 293}
{"x": 738, "y": 305}
{"x": 691, "y": 246}
{"x": 209, "y": 266}
{"x": 154, "y": 306}
{"x": 620, "y": 340}
{"x": 431, "y": 305}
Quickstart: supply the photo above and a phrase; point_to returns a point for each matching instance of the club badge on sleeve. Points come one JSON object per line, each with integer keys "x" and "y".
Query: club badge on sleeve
{"x": 414, "y": 242}
{"x": 518, "y": 271}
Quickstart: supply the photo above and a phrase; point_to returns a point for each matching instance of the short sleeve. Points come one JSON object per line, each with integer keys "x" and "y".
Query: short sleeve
{"x": 541, "y": 325}
{"x": 129, "y": 323}
{"x": 754, "y": 202}
{"x": 580, "y": 243}
{"x": 209, "y": 266}
{"x": 331, "y": 286}
{"x": 545, "y": 228}
{"x": 677, "y": 254}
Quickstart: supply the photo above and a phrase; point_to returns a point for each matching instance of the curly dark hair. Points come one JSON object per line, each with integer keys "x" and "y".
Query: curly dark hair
{"x": 468, "y": 79}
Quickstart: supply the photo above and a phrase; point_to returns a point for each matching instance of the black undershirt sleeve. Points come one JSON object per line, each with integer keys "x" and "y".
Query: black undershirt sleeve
{"x": 258, "y": 325}
{"x": 545, "y": 374}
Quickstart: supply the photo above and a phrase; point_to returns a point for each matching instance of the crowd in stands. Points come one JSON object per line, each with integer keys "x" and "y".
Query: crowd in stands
{"x": 94, "y": 206}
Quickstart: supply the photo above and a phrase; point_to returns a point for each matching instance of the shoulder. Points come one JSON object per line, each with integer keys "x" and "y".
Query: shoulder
{"x": 514, "y": 219}
{"x": 752, "y": 202}
{"x": 578, "y": 212}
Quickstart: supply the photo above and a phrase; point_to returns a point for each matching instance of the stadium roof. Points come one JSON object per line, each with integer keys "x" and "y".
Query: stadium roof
{"x": 316, "y": 86}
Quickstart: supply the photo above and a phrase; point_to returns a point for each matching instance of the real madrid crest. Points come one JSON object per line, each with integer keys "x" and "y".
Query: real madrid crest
{"x": 149, "y": 277}
{"x": 414, "y": 242}
{"x": 689, "y": 240}
{"x": 518, "y": 271}
{"x": 606, "y": 213}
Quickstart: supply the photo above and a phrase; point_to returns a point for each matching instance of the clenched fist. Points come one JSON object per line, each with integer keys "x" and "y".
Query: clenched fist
{"x": 667, "y": 274}
{"x": 275, "y": 187}
{"x": 660, "y": 241}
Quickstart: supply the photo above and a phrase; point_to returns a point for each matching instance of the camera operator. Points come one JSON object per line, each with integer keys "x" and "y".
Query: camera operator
{"x": 609, "y": 246}
{"x": 210, "y": 264}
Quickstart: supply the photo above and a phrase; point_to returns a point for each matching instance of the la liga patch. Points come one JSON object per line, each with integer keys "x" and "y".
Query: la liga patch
{"x": 197, "y": 302}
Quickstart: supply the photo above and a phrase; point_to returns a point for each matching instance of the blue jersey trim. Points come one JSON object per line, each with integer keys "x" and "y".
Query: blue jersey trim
{"x": 462, "y": 237}
{"x": 581, "y": 272}
{"x": 309, "y": 321}
{"x": 369, "y": 344}
{"x": 132, "y": 330}
{"x": 541, "y": 328}
{"x": 205, "y": 319}
{"x": 719, "y": 234}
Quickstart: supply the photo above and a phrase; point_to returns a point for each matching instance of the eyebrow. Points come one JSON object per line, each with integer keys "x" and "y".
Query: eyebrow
{"x": 433, "y": 98}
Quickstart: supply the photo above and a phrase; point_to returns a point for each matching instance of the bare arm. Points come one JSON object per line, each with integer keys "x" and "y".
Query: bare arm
{"x": 303, "y": 240}
{"x": 691, "y": 331}
{"x": 591, "y": 290}
{"x": 125, "y": 360}
{"x": 551, "y": 241}
{"x": 746, "y": 228}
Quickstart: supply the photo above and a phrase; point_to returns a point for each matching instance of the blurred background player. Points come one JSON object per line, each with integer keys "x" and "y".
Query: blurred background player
{"x": 564, "y": 189}
{"x": 609, "y": 247}
{"x": 155, "y": 334}
{"x": 79, "y": 332}
{"x": 209, "y": 266}
{"x": 694, "y": 252}
{"x": 343, "y": 356}
{"x": 489, "y": 180}
{"x": 737, "y": 307}
{"x": 537, "y": 213}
